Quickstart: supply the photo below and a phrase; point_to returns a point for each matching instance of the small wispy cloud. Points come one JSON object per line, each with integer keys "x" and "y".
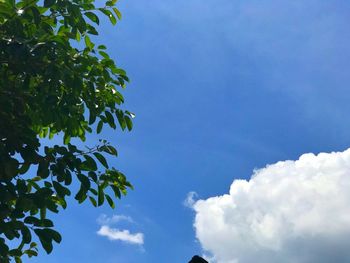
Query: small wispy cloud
{"x": 190, "y": 199}
{"x": 121, "y": 235}
{"x": 105, "y": 220}
{"x": 115, "y": 234}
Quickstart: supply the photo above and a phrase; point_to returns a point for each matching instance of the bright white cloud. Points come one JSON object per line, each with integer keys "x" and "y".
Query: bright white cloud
{"x": 116, "y": 234}
{"x": 190, "y": 199}
{"x": 105, "y": 220}
{"x": 121, "y": 235}
{"x": 291, "y": 211}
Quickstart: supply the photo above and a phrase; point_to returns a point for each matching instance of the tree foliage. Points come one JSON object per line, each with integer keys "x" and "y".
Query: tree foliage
{"x": 54, "y": 80}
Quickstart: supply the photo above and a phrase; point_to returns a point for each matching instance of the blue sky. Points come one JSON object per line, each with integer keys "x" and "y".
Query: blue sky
{"x": 219, "y": 88}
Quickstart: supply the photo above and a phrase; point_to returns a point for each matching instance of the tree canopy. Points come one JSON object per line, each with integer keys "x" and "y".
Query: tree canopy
{"x": 54, "y": 81}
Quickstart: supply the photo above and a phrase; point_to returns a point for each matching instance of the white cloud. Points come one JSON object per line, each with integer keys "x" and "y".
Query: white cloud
{"x": 291, "y": 211}
{"x": 116, "y": 234}
{"x": 121, "y": 235}
{"x": 190, "y": 199}
{"x": 105, "y": 220}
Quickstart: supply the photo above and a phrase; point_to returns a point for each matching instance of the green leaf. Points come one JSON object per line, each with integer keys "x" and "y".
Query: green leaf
{"x": 33, "y": 245}
{"x": 110, "y": 201}
{"x": 101, "y": 196}
{"x": 93, "y": 201}
{"x": 36, "y": 14}
{"x": 119, "y": 71}
{"x": 111, "y": 3}
{"x": 92, "y": 117}
{"x": 46, "y": 236}
{"x": 99, "y": 127}
{"x": 31, "y": 253}
{"x": 104, "y": 54}
{"x": 66, "y": 138}
{"x": 26, "y": 235}
{"x": 90, "y": 163}
{"x": 61, "y": 202}
{"x": 112, "y": 19}
{"x": 128, "y": 122}
{"x": 110, "y": 119}
{"x": 45, "y": 240}
{"x": 84, "y": 180}
{"x": 109, "y": 14}
{"x": 54, "y": 235}
{"x": 60, "y": 189}
{"x": 46, "y": 223}
{"x": 102, "y": 159}
{"x": 117, "y": 12}
{"x": 15, "y": 252}
{"x": 88, "y": 42}
{"x": 93, "y": 17}
{"x": 68, "y": 178}
{"x": 3, "y": 247}
{"x": 121, "y": 119}
{"x": 6, "y": 10}
{"x": 24, "y": 168}
{"x": 93, "y": 176}
{"x": 109, "y": 149}
{"x": 81, "y": 195}
{"x": 116, "y": 191}
{"x": 102, "y": 47}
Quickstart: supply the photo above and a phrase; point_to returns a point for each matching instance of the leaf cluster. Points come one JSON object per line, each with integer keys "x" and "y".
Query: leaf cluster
{"x": 54, "y": 80}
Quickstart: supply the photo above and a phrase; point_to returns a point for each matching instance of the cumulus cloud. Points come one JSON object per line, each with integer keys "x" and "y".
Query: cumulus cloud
{"x": 122, "y": 235}
{"x": 190, "y": 199}
{"x": 290, "y": 211}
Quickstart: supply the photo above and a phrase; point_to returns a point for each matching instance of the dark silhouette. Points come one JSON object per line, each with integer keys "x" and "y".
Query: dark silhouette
{"x": 198, "y": 259}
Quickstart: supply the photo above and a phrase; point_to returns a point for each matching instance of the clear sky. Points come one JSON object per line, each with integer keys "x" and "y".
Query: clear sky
{"x": 219, "y": 88}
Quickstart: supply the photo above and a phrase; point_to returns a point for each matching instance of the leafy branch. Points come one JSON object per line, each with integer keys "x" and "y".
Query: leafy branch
{"x": 48, "y": 88}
